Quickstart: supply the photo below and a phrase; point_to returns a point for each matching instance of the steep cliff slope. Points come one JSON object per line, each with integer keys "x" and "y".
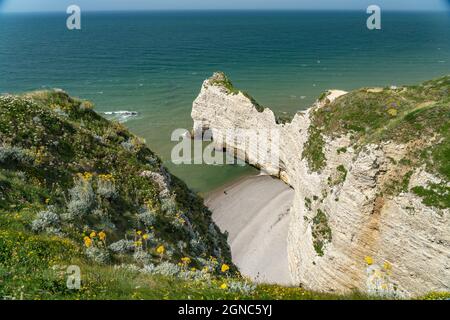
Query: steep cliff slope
{"x": 370, "y": 169}
{"x": 76, "y": 189}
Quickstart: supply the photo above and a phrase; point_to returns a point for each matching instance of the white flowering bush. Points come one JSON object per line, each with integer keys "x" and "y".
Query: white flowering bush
{"x": 141, "y": 256}
{"x": 198, "y": 246}
{"x": 82, "y": 199}
{"x": 167, "y": 269}
{"x": 242, "y": 287}
{"x": 99, "y": 255}
{"x": 169, "y": 205}
{"x": 47, "y": 221}
{"x": 147, "y": 217}
{"x": 107, "y": 189}
{"x": 122, "y": 246}
{"x": 18, "y": 155}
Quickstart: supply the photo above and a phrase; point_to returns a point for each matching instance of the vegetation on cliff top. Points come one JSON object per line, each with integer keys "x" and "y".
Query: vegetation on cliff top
{"x": 220, "y": 79}
{"x": 403, "y": 115}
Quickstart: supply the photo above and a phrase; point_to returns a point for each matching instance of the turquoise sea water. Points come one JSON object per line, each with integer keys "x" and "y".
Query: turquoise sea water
{"x": 155, "y": 62}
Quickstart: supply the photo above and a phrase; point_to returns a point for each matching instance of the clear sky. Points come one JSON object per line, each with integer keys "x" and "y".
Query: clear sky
{"x": 108, "y": 5}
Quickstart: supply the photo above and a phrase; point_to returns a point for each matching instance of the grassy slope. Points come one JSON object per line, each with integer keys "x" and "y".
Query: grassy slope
{"x": 402, "y": 115}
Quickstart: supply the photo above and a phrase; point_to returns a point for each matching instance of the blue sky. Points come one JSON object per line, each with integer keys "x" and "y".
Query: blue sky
{"x": 108, "y": 5}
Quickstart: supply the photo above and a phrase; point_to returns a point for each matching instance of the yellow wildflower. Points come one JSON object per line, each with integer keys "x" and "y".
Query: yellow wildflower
{"x": 369, "y": 260}
{"x": 186, "y": 260}
{"x": 223, "y": 286}
{"x": 93, "y": 234}
{"x": 139, "y": 232}
{"x": 387, "y": 266}
{"x": 138, "y": 243}
{"x": 392, "y": 112}
{"x": 102, "y": 235}
{"x": 106, "y": 177}
{"x": 87, "y": 176}
{"x": 87, "y": 242}
{"x": 160, "y": 249}
{"x": 225, "y": 268}
{"x": 145, "y": 236}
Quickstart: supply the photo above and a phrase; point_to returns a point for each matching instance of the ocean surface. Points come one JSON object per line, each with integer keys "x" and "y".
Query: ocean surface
{"x": 154, "y": 62}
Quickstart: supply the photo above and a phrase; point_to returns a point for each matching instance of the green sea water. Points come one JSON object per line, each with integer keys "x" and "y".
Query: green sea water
{"x": 154, "y": 62}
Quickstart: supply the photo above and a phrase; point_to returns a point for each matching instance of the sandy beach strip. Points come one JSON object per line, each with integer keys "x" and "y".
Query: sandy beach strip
{"x": 255, "y": 212}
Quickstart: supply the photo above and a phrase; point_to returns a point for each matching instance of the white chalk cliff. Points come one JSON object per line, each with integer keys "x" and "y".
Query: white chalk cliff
{"x": 345, "y": 234}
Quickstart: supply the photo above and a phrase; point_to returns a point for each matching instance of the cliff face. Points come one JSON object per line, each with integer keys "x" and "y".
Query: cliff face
{"x": 370, "y": 174}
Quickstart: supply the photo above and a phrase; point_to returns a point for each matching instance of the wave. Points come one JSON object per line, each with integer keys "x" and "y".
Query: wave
{"x": 120, "y": 116}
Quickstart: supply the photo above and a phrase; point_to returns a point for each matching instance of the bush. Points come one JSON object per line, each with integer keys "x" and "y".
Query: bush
{"x": 198, "y": 246}
{"x": 167, "y": 269}
{"x": 141, "y": 256}
{"x": 46, "y": 221}
{"x": 242, "y": 287}
{"x": 147, "y": 217}
{"x": 82, "y": 199}
{"x": 122, "y": 246}
{"x": 107, "y": 189}
{"x": 98, "y": 255}
{"x": 14, "y": 155}
{"x": 169, "y": 205}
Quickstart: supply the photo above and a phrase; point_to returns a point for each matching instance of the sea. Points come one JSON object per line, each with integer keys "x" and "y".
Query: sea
{"x": 153, "y": 63}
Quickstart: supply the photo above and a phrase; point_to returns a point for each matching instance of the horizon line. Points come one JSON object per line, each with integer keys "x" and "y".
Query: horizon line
{"x": 224, "y": 10}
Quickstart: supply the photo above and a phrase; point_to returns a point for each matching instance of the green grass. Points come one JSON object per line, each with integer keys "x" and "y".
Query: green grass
{"x": 221, "y": 80}
{"x": 435, "y": 195}
{"x": 339, "y": 177}
{"x": 35, "y": 267}
{"x": 403, "y": 115}
{"x": 313, "y": 150}
{"x": 321, "y": 232}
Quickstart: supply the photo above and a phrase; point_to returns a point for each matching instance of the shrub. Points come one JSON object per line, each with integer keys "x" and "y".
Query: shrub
{"x": 98, "y": 255}
{"x": 198, "y": 246}
{"x": 169, "y": 205}
{"x": 128, "y": 146}
{"x": 147, "y": 217}
{"x": 242, "y": 287}
{"x": 11, "y": 155}
{"x": 107, "y": 189}
{"x": 167, "y": 269}
{"x": 141, "y": 256}
{"x": 82, "y": 199}
{"x": 46, "y": 221}
{"x": 122, "y": 246}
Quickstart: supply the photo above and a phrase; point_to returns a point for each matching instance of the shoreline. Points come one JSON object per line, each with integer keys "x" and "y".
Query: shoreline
{"x": 254, "y": 210}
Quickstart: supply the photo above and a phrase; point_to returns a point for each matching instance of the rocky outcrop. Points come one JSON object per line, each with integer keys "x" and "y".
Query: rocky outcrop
{"x": 347, "y": 230}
